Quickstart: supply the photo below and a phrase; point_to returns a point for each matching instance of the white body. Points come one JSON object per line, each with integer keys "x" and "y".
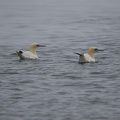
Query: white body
{"x": 28, "y": 55}
{"x": 88, "y": 58}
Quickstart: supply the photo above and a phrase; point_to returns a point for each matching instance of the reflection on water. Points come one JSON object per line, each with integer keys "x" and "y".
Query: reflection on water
{"x": 56, "y": 86}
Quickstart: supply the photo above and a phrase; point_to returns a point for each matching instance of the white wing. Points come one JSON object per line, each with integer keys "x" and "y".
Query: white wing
{"x": 29, "y": 55}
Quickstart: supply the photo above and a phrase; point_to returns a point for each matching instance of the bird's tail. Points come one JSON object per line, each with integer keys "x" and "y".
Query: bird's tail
{"x": 81, "y": 57}
{"x": 19, "y": 54}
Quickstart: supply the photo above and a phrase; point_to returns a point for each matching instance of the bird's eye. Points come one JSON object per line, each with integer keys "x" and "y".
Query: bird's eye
{"x": 37, "y": 45}
{"x": 95, "y": 49}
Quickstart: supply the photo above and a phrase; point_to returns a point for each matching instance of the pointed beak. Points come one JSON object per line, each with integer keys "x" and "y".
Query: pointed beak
{"x": 100, "y": 50}
{"x": 97, "y": 50}
{"x": 41, "y": 45}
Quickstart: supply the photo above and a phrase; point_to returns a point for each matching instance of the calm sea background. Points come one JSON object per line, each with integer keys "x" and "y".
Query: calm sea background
{"x": 57, "y": 87}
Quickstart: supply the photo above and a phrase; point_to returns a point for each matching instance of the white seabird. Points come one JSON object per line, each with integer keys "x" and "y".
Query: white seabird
{"x": 31, "y": 54}
{"x": 89, "y": 56}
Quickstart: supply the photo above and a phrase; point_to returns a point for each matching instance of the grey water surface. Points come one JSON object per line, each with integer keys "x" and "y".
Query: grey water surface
{"x": 56, "y": 86}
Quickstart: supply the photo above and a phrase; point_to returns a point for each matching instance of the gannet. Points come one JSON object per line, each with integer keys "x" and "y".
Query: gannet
{"x": 31, "y": 54}
{"x": 89, "y": 56}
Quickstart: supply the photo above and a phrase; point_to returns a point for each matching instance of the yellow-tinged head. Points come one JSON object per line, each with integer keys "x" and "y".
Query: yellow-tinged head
{"x": 91, "y": 51}
{"x": 33, "y": 47}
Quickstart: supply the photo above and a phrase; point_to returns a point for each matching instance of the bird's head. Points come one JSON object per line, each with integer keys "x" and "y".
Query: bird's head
{"x": 92, "y": 50}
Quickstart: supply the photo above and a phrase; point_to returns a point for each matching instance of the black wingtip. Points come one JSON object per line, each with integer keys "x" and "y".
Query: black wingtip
{"x": 78, "y": 54}
{"x": 20, "y": 52}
